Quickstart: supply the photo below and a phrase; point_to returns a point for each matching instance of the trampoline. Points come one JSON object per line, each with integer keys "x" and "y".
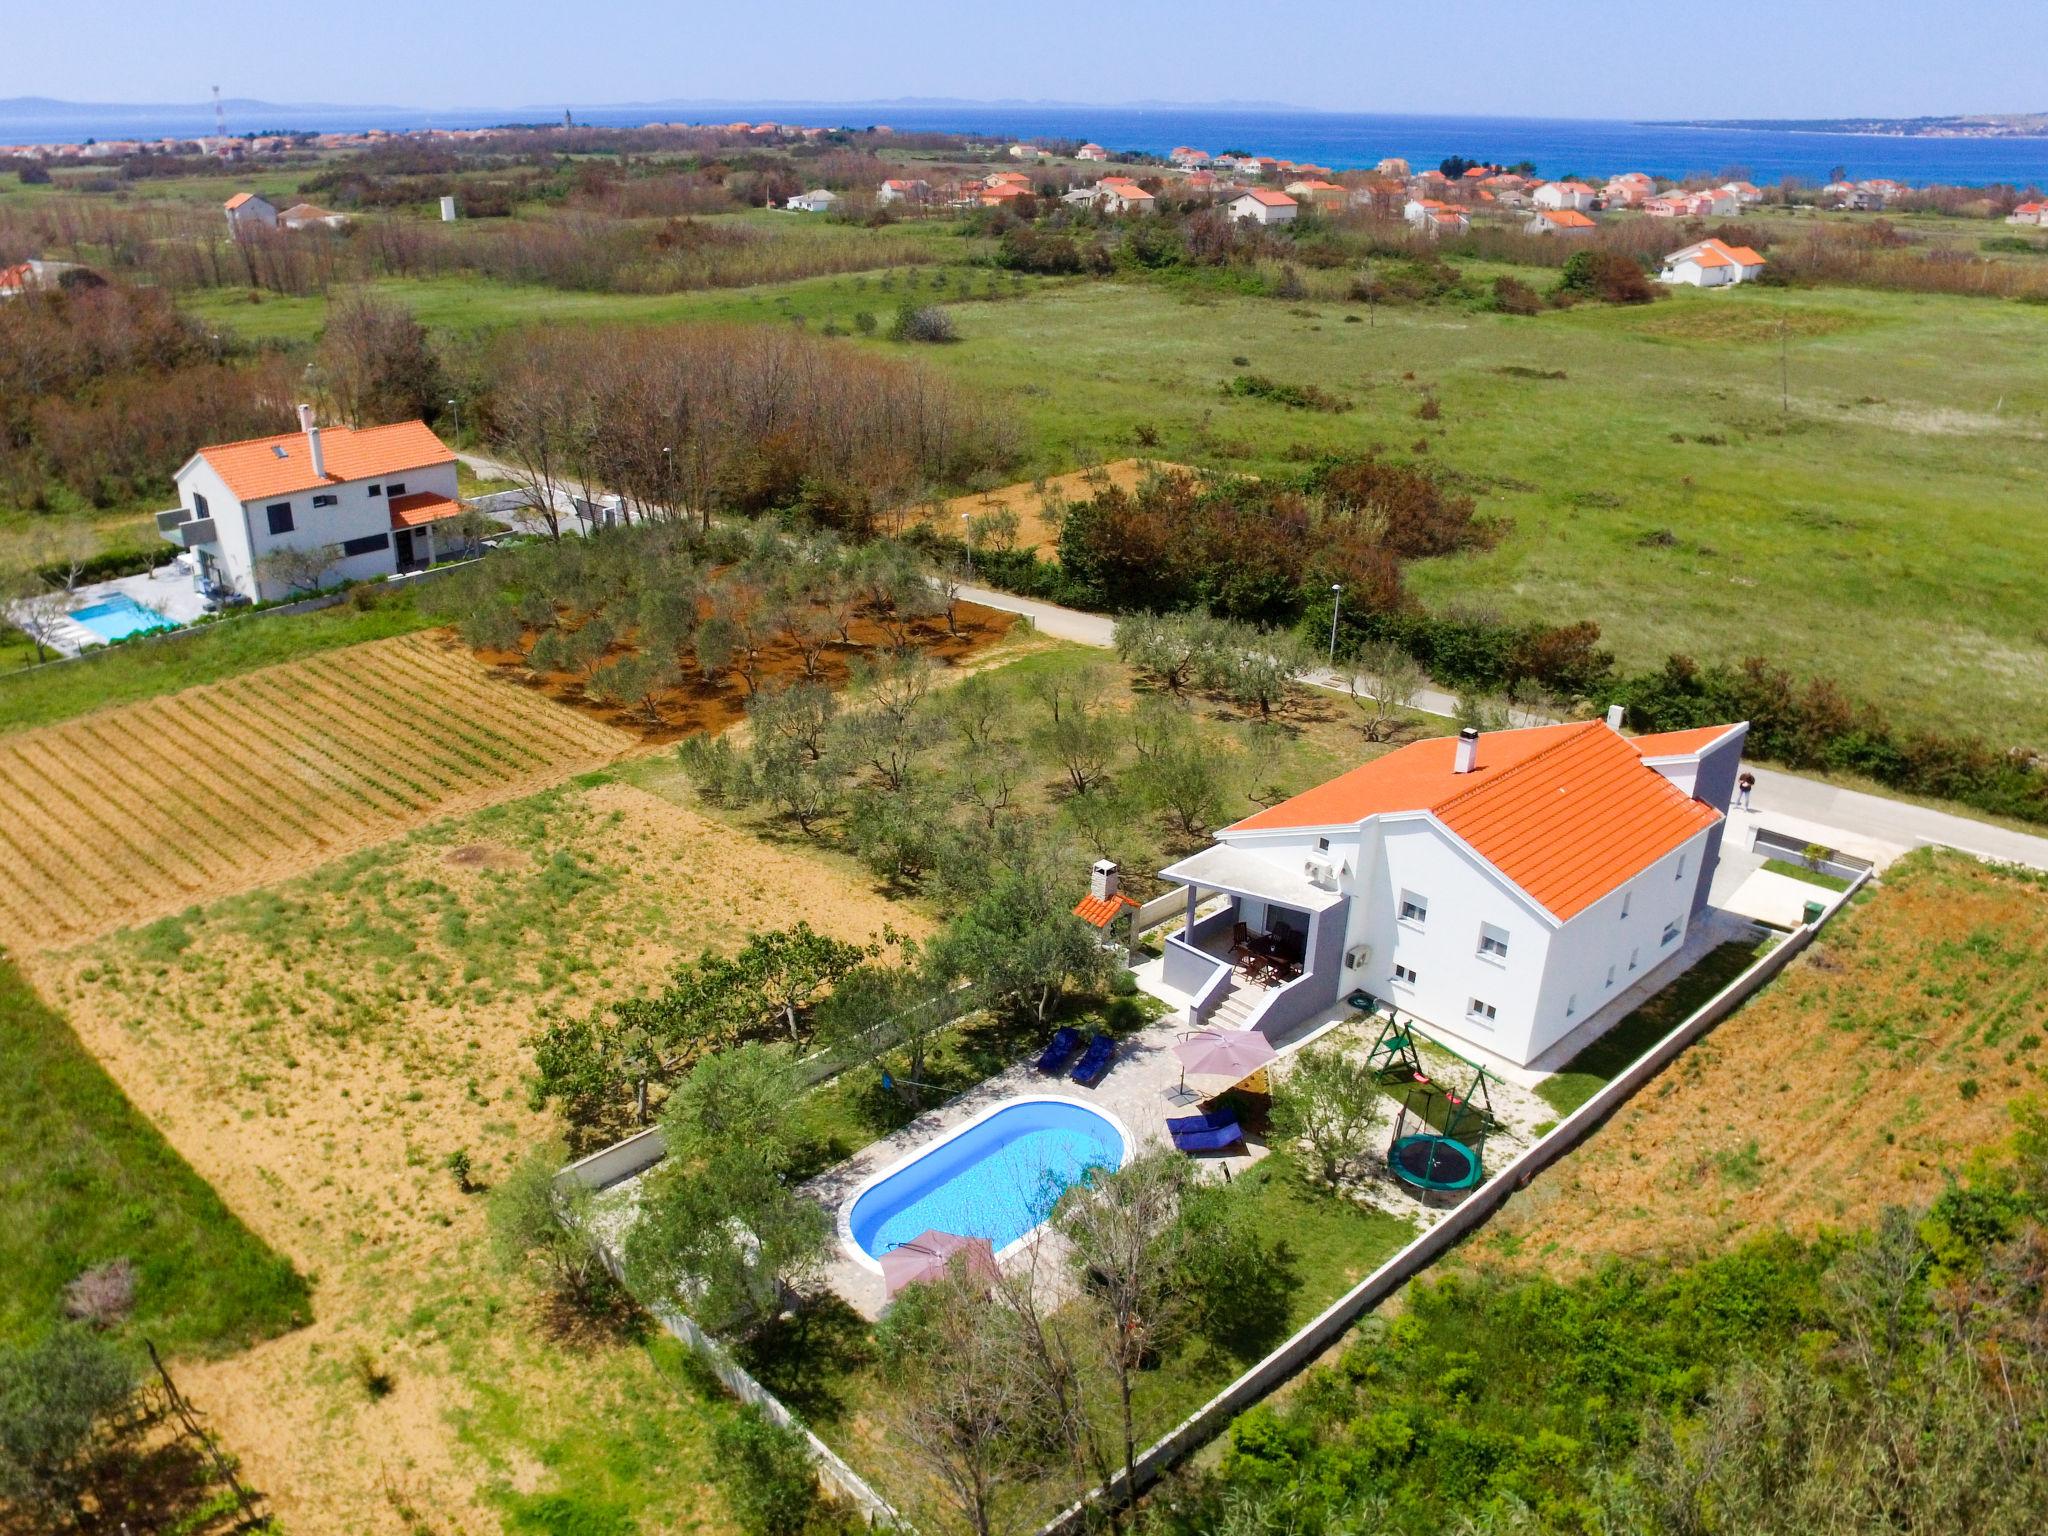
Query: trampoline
{"x": 1433, "y": 1163}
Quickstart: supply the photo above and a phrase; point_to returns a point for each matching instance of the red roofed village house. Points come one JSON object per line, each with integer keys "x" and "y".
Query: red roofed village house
{"x": 1712, "y": 264}
{"x": 1498, "y": 887}
{"x": 369, "y": 498}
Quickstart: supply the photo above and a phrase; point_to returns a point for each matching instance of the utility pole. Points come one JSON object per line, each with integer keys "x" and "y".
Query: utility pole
{"x": 1784, "y": 367}
{"x": 220, "y": 120}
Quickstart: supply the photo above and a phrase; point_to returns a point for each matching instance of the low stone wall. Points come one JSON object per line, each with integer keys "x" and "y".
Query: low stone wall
{"x": 1335, "y": 1320}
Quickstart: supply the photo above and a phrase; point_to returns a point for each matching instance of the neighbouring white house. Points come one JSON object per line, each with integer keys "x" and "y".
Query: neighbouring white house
{"x": 1712, "y": 264}
{"x": 30, "y": 276}
{"x": 1563, "y": 194}
{"x": 369, "y": 499}
{"x": 1628, "y": 190}
{"x": 1316, "y": 190}
{"x": 1026, "y": 152}
{"x": 1262, "y": 205}
{"x": 248, "y": 210}
{"x": 306, "y": 215}
{"x": 1112, "y": 194}
{"x": 2029, "y": 213}
{"x": 1499, "y": 887}
{"x": 1435, "y": 217}
{"x": 1187, "y": 157}
{"x": 1091, "y": 152}
{"x": 1559, "y": 221}
{"x": 903, "y": 190}
{"x": 818, "y": 200}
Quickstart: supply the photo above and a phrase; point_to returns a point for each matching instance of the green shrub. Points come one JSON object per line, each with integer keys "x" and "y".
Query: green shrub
{"x": 767, "y": 1475}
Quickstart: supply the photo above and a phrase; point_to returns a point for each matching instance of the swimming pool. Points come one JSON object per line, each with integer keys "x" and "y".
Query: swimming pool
{"x": 119, "y": 617}
{"x": 997, "y": 1177}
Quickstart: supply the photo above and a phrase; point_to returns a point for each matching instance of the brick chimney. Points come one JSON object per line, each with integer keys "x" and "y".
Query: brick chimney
{"x": 1102, "y": 880}
{"x": 1468, "y": 750}
{"x": 312, "y": 441}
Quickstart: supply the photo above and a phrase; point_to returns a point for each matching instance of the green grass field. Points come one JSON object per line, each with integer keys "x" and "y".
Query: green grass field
{"x": 140, "y": 670}
{"x": 87, "y": 1180}
{"x": 1876, "y": 530}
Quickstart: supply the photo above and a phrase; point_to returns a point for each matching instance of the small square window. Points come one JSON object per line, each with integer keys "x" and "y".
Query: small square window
{"x": 376, "y": 490}
{"x": 1322, "y": 845}
{"x": 326, "y": 501}
{"x": 280, "y": 515}
{"x": 1404, "y": 974}
{"x": 1414, "y": 908}
{"x": 1670, "y": 932}
{"x": 1493, "y": 941}
{"x": 1480, "y": 1009}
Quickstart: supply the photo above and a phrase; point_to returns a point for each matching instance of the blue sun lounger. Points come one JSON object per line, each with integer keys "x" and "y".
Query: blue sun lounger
{"x": 1089, "y": 1070}
{"x": 1208, "y": 1120}
{"x": 1213, "y": 1140}
{"x": 1064, "y": 1043}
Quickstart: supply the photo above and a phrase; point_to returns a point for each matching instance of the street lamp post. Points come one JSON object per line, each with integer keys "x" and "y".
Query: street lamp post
{"x": 967, "y": 542}
{"x": 458, "y": 418}
{"x": 1336, "y": 608}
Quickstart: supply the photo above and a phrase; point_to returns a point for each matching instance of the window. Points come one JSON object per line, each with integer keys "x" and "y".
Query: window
{"x": 199, "y": 506}
{"x": 1405, "y": 974}
{"x": 376, "y": 490}
{"x": 1322, "y": 845}
{"x": 1493, "y": 941}
{"x": 1625, "y": 898}
{"x": 1635, "y": 957}
{"x": 1414, "y": 908}
{"x": 396, "y": 488}
{"x": 1571, "y": 1005}
{"x": 1670, "y": 932}
{"x": 280, "y": 515}
{"x": 1480, "y": 1009}
{"x": 368, "y": 545}
{"x": 326, "y": 501}
{"x": 1679, "y": 873}
{"x": 1610, "y": 976}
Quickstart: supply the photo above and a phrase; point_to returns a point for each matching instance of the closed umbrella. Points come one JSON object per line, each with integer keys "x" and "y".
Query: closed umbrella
{"x": 928, "y": 1255}
{"x": 1228, "y": 1053}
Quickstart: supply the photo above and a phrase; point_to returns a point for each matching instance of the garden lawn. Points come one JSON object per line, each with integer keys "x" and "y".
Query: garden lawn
{"x": 126, "y": 674}
{"x": 88, "y": 1179}
{"x": 1614, "y": 1052}
{"x": 1875, "y": 531}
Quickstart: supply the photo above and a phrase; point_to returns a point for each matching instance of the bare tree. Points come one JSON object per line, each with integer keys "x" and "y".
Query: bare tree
{"x": 297, "y": 567}
{"x": 1385, "y": 681}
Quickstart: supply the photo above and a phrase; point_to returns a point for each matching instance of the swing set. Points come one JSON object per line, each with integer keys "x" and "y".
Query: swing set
{"x": 1441, "y": 1132}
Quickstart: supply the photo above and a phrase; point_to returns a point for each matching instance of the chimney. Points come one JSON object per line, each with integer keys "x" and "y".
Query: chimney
{"x": 1102, "y": 879}
{"x": 1615, "y": 715}
{"x": 1468, "y": 750}
{"x": 312, "y": 441}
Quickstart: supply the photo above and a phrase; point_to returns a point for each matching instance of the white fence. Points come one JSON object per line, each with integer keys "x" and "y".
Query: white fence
{"x": 1331, "y": 1324}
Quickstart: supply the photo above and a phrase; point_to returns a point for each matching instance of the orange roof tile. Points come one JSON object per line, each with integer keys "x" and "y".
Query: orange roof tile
{"x": 1566, "y": 812}
{"x": 422, "y": 507}
{"x": 240, "y": 198}
{"x": 1100, "y": 911}
{"x": 278, "y": 466}
{"x": 1567, "y": 218}
{"x": 1679, "y": 743}
{"x": 1267, "y": 196}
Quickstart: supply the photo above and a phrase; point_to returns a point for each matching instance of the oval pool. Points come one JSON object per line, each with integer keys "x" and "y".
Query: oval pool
{"x": 997, "y": 1177}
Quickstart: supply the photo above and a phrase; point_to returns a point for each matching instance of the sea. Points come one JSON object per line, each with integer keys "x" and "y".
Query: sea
{"x": 1558, "y": 147}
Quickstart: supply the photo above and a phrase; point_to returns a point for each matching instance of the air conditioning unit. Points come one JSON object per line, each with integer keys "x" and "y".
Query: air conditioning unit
{"x": 1358, "y": 957}
{"x": 1320, "y": 872}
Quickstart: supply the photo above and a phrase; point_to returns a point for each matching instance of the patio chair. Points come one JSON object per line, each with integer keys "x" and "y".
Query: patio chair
{"x": 1065, "y": 1041}
{"x": 1209, "y": 1141}
{"x": 1207, "y": 1120}
{"x": 1094, "y": 1063}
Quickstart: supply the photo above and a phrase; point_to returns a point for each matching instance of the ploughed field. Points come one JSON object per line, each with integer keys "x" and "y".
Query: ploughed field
{"x": 130, "y": 813}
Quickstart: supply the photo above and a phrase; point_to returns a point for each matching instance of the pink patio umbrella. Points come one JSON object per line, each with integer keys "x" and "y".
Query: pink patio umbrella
{"x": 927, "y": 1256}
{"x": 1228, "y": 1053}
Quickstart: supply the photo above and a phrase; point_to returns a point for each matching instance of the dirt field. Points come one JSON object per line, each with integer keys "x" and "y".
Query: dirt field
{"x": 317, "y": 1050}
{"x": 131, "y": 813}
{"x": 1881, "y": 1059}
{"x": 1027, "y": 500}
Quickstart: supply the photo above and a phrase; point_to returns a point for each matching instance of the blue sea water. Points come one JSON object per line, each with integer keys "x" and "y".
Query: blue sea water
{"x": 997, "y": 1179}
{"x": 1558, "y": 146}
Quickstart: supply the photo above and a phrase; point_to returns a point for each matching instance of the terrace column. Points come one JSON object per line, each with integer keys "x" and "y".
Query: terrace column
{"x": 430, "y": 544}
{"x": 1187, "y": 927}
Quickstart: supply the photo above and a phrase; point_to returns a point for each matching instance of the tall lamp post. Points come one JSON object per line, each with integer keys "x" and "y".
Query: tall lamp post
{"x": 1336, "y": 608}
{"x": 458, "y": 418}
{"x": 967, "y": 542}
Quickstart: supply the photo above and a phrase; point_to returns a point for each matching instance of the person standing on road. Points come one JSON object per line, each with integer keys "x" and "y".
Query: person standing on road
{"x": 1743, "y": 786}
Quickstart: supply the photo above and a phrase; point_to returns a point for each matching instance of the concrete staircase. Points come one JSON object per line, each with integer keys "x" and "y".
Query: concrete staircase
{"x": 1236, "y": 1005}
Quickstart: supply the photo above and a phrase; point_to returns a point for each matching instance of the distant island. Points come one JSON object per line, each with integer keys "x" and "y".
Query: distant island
{"x": 1987, "y": 125}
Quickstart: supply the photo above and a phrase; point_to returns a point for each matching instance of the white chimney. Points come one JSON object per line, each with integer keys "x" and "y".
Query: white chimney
{"x": 1468, "y": 750}
{"x": 312, "y": 441}
{"x": 1615, "y": 715}
{"x": 1102, "y": 879}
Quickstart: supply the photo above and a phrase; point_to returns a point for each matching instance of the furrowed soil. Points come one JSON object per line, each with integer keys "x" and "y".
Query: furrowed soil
{"x": 319, "y": 1048}
{"x": 1028, "y": 499}
{"x": 126, "y": 814}
{"x": 1881, "y": 1061}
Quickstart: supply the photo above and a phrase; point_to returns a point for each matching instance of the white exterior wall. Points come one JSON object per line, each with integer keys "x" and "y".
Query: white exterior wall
{"x": 243, "y": 529}
{"x": 1260, "y": 213}
{"x": 1589, "y": 959}
{"x": 1694, "y": 275}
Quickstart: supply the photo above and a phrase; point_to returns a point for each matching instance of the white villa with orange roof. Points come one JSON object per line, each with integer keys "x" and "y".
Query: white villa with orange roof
{"x": 1499, "y": 888}
{"x": 1563, "y": 194}
{"x": 1712, "y": 264}
{"x": 248, "y": 210}
{"x": 1559, "y": 221}
{"x": 1262, "y": 205}
{"x": 368, "y": 498}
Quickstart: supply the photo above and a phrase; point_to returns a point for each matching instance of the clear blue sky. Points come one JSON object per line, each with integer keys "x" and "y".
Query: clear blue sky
{"x": 1554, "y": 58}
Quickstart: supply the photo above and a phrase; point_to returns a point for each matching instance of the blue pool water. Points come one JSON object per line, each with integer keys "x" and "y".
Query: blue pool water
{"x": 997, "y": 1178}
{"x": 120, "y": 617}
